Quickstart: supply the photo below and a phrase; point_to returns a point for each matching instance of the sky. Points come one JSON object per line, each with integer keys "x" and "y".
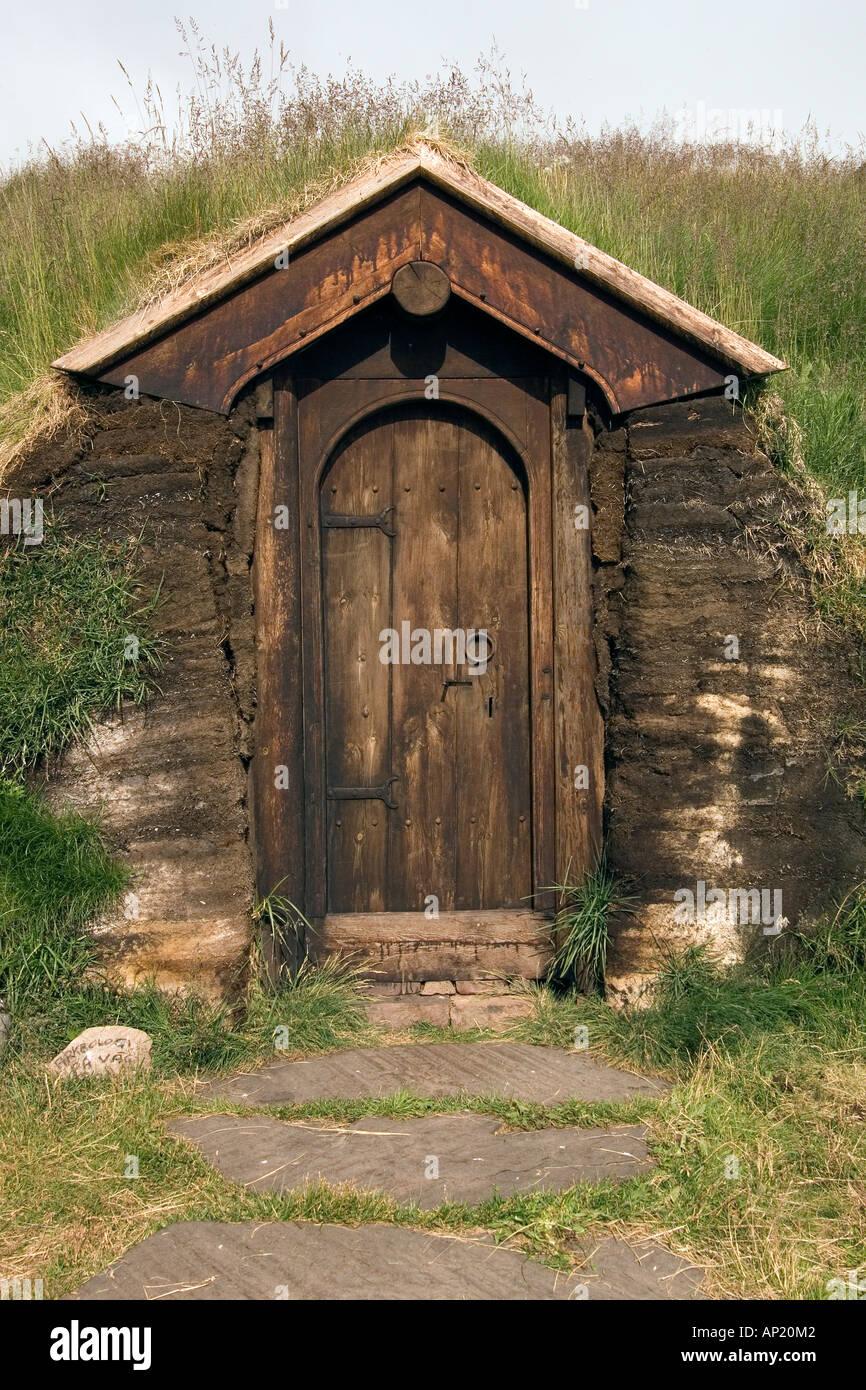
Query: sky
{"x": 776, "y": 63}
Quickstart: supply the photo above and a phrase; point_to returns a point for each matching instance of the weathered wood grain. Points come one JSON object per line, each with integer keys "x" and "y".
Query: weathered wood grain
{"x": 423, "y": 848}
{"x": 458, "y": 945}
{"x": 207, "y": 359}
{"x": 421, "y": 289}
{"x": 462, "y": 832}
{"x": 493, "y": 748}
{"x": 579, "y": 722}
{"x": 356, "y": 598}
{"x": 277, "y": 818}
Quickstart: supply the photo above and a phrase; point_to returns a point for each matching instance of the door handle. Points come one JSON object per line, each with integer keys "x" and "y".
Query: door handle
{"x": 451, "y": 681}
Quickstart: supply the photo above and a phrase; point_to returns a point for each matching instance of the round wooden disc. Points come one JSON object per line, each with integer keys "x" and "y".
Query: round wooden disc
{"x": 421, "y": 288}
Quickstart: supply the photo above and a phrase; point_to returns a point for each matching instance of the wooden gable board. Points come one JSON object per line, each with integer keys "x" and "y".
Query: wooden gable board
{"x": 639, "y": 343}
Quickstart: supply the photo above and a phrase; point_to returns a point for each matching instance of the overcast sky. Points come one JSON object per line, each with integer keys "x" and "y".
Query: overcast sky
{"x": 596, "y": 60}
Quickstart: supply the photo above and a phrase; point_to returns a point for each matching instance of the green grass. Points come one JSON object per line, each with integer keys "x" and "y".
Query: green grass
{"x": 581, "y": 927}
{"x": 55, "y": 876}
{"x": 314, "y": 1011}
{"x": 68, "y": 609}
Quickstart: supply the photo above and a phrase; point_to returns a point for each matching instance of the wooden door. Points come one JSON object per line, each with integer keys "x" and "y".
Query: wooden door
{"x": 427, "y": 757}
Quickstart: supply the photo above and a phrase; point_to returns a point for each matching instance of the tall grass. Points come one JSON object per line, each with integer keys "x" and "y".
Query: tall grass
{"x": 68, "y": 609}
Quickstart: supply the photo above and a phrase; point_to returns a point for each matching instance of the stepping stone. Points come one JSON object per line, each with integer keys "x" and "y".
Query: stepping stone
{"x": 518, "y": 1071}
{"x": 208, "y": 1261}
{"x": 431, "y": 1160}
{"x": 614, "y": 1269}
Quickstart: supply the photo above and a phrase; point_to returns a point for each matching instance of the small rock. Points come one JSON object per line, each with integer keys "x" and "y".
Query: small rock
{"x": 104, "y": 1052}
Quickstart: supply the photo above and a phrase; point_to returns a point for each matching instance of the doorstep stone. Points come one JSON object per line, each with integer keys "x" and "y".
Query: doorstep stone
{"x": 489, "y": 1010}
{"x": 402, "y": 1012}
{"x": 427, "y": 1160}
{"x": 441, "y": 1004}
{"x": 512, "y": 1070}
{"x": 393, "y": 989}
{"x": 396, "y": 989}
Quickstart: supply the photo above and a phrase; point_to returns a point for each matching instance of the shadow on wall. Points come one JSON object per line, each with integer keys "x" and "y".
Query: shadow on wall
{"x": 725, "y": 692}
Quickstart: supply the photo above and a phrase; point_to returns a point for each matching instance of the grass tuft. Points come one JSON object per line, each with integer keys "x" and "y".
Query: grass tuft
{"x": 581, "y": 927}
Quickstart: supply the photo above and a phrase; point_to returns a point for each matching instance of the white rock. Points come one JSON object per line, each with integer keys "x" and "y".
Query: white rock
{"x": 104, "y": 1052}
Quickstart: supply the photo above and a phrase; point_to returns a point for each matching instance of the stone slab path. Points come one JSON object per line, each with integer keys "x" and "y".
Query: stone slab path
{"x": 431, "y": 1160}
{"x": 297, "y": 1260}
{"x": 515, "y": 1071}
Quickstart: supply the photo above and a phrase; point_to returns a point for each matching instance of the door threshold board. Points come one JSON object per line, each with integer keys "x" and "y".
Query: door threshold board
{"x": 487, "y": 926}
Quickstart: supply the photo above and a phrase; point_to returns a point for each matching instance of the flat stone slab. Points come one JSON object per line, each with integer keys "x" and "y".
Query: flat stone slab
{"x": 427, "y": 1160}
{"x": 614, "y": 1269}
{"x": 519, "y": 1071}
{"x": 207, "y": 1261}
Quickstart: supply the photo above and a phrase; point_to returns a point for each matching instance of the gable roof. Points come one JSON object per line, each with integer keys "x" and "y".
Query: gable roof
{"x": 201, "y": 343}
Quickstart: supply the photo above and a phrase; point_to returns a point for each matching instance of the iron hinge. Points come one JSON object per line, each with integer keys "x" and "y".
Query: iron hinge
{"x": 337, "y": 520}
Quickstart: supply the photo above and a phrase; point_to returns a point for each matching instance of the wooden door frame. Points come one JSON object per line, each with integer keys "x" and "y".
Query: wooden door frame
{"x": 289, "y": 827}
{"x": 315, "y": 450}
